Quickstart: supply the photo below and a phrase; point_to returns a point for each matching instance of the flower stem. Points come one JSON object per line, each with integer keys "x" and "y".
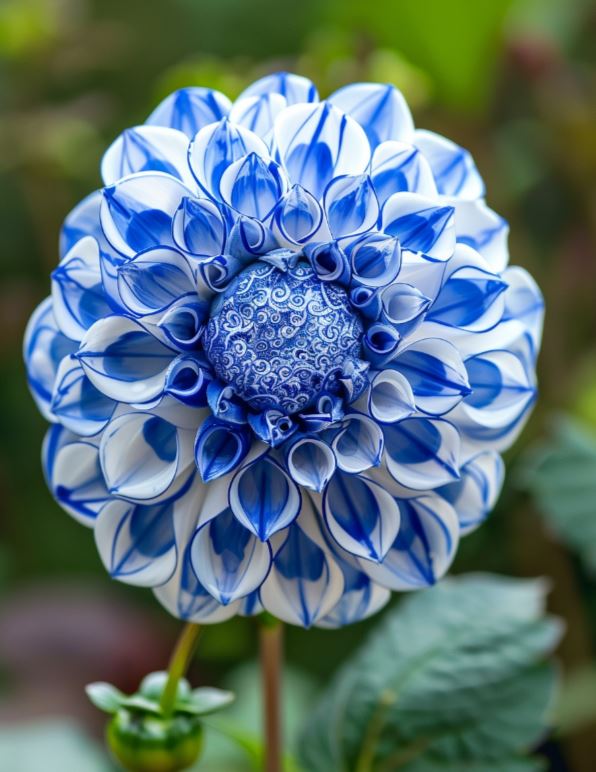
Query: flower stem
{"x": 179, "y": 663}
{"x": 271, "y": 645}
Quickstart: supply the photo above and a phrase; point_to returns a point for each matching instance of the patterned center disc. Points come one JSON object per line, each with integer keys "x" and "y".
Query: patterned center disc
{"x": 281, "y": 338}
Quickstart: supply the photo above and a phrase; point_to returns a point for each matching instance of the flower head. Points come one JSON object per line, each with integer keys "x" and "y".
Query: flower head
{"x": 282, "y": 353}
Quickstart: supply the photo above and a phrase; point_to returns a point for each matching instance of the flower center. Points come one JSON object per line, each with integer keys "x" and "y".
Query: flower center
{"x": 280, "y": 338}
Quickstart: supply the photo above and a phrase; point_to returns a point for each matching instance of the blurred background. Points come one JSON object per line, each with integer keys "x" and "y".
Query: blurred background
{"x": 512, "y": 80}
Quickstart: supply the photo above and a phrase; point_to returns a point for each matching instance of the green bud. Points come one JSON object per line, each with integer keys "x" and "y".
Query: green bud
{"x": 143, "y": 742}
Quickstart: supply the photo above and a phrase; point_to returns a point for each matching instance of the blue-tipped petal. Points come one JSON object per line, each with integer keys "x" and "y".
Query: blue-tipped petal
{"x": 141, "y": 455}
{"x": 329, "y": 262}
{"x": 258, "y": 113}
{"x": 272, "y": 426}
{"x": 311, "y": 463}
{"x": 476, "y": 494}
{"x": 44, "y": 347}
{"x": 422, "y": 453}
{"x": 390, "y": 398}
{"x": 375, "y": 259}
{"x": 264, "y": 498}
{"x": 184, "y": 323}
{"x": 136, "y": 542}
{"x": 424, "y": 548}
{"x": 305, "y": 582}
{"x": 359, "y": 444}
{"x": 380, "y": 344}
{"x": 187, "y": 379}
{"x": 73, "y": 474}
{"x": 293, "y": 88}
{"x": 362, "y": 517}
{"x": 186, "y": 598}
{"x": 400, "y": 168}
{"x": 77, "y": 291}
{"x": 524, "y": 303}
{"x": 215, "y": 148}
{"x": 318, "y": 142}
{"x": 379, "y": 108}
{"x": 298, "y": 216}
{"x": 198, "y": 228}
{"x": 224, "y": 404}
{"x": 220, "y": 448}
{"x": 249, "y": 237}
{"x": 467, "y": 297}
{"x": 403, "y": 307}
{"x": 367, "y": 301}
{"x": 420, "y": 225}
{"x": 124, "y": 360}
{"x": 154, "y": 280}
{"x": 483, "y": 230}
{"x": 82, "y": 221}
{"x": 136, "y": 212}
{"x": 76, "y": 403}
{"x": 145, "y": 149}
{"x": 453, "y": 167}
{"x": 252, "y": 186}
{"x": 229, "y": 561}
{"x": 190, "y": 109}
{"x": 351, "y": 205}
{"x": 361, "y": 599}
{"x": 436, "y": 372}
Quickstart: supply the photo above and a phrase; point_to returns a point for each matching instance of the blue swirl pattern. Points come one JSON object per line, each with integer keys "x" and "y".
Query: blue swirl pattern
{"x": 283, "y": 353}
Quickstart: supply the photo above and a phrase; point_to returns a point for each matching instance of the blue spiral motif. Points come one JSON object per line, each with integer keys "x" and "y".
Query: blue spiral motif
{"x": 281, "y": 338}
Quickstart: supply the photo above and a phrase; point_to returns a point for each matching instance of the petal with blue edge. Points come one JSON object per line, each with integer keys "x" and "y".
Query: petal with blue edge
{"x": 44, "y": 347}
{"x": 318, "y": 142}
{"x": 361, "y": 599}
{"x": 198, "y": 228}
{"x": 420, "y": 225}
{"x": 136, "y": 542}
{"x": 397, "y": 167}
{"x": 216, "y": 147}
{"x": 390, "y": 398}
{"x": 351, "y": 205}
{"x": 124, "y": 360}
{"x": 293, "y": 88}
{"x": 147, "y": 149}
{"x": 186, "y": 598}
{"x": 190, "y": 109}
{"x": 375, "y": 259}
{"x": 73, "y": 473}
{"x": 77, "y": 291}
{"x": 305, "y": 582}
{"x": 311, "y": 463}
{"x": 220, "y": 448}
{"x": 483, "y": 230}
{"x": 258, "y": 113}
{"x": 424, "y": 548}
{"x": 252, "y": 186}
{"x": 76, "y": 403}
{"x": 359, "y": 444}
{"x": 264, "y": 498}
{"x": 229, "y": 561}
{"x": 379, "y": 108}
{"x": 82, "y": 221}
{"x": 453, "y": 168}
{"x": 154, "y": 280}
{"x": 136, "y": 212}
{"x": 436, "y": 372}
{"x": 524, "y": 303}
{"x": 361, "y": 515}
{"x": 475, "y": 495}
{"x": 298, "y": 216}
{"x": 141, "y": 455}
{"x": 422, "y": 453}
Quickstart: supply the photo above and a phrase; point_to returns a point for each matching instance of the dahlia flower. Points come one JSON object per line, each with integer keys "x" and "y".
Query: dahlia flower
{"x": 282, "y": 353}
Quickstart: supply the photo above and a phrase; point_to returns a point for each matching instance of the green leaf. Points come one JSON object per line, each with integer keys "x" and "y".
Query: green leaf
{"x": 153, "y": 684}
{"x": 205, "y": 700}
{"x": 561, "y": 475}
{"x": 105, "y": 696}
{"x": 454, "y": 678}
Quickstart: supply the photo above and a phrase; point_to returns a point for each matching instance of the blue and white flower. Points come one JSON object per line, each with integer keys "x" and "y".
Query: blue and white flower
{"x": 282, "y": 353}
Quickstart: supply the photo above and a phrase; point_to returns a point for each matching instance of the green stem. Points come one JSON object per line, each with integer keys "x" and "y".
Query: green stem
{"x": 271, "y": 644}
{"x": 179, "y": 663}
{"x": 374, "y": 729}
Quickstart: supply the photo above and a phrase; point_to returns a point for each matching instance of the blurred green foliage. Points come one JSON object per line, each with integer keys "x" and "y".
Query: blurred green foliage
{"x": 513, "y": 80}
